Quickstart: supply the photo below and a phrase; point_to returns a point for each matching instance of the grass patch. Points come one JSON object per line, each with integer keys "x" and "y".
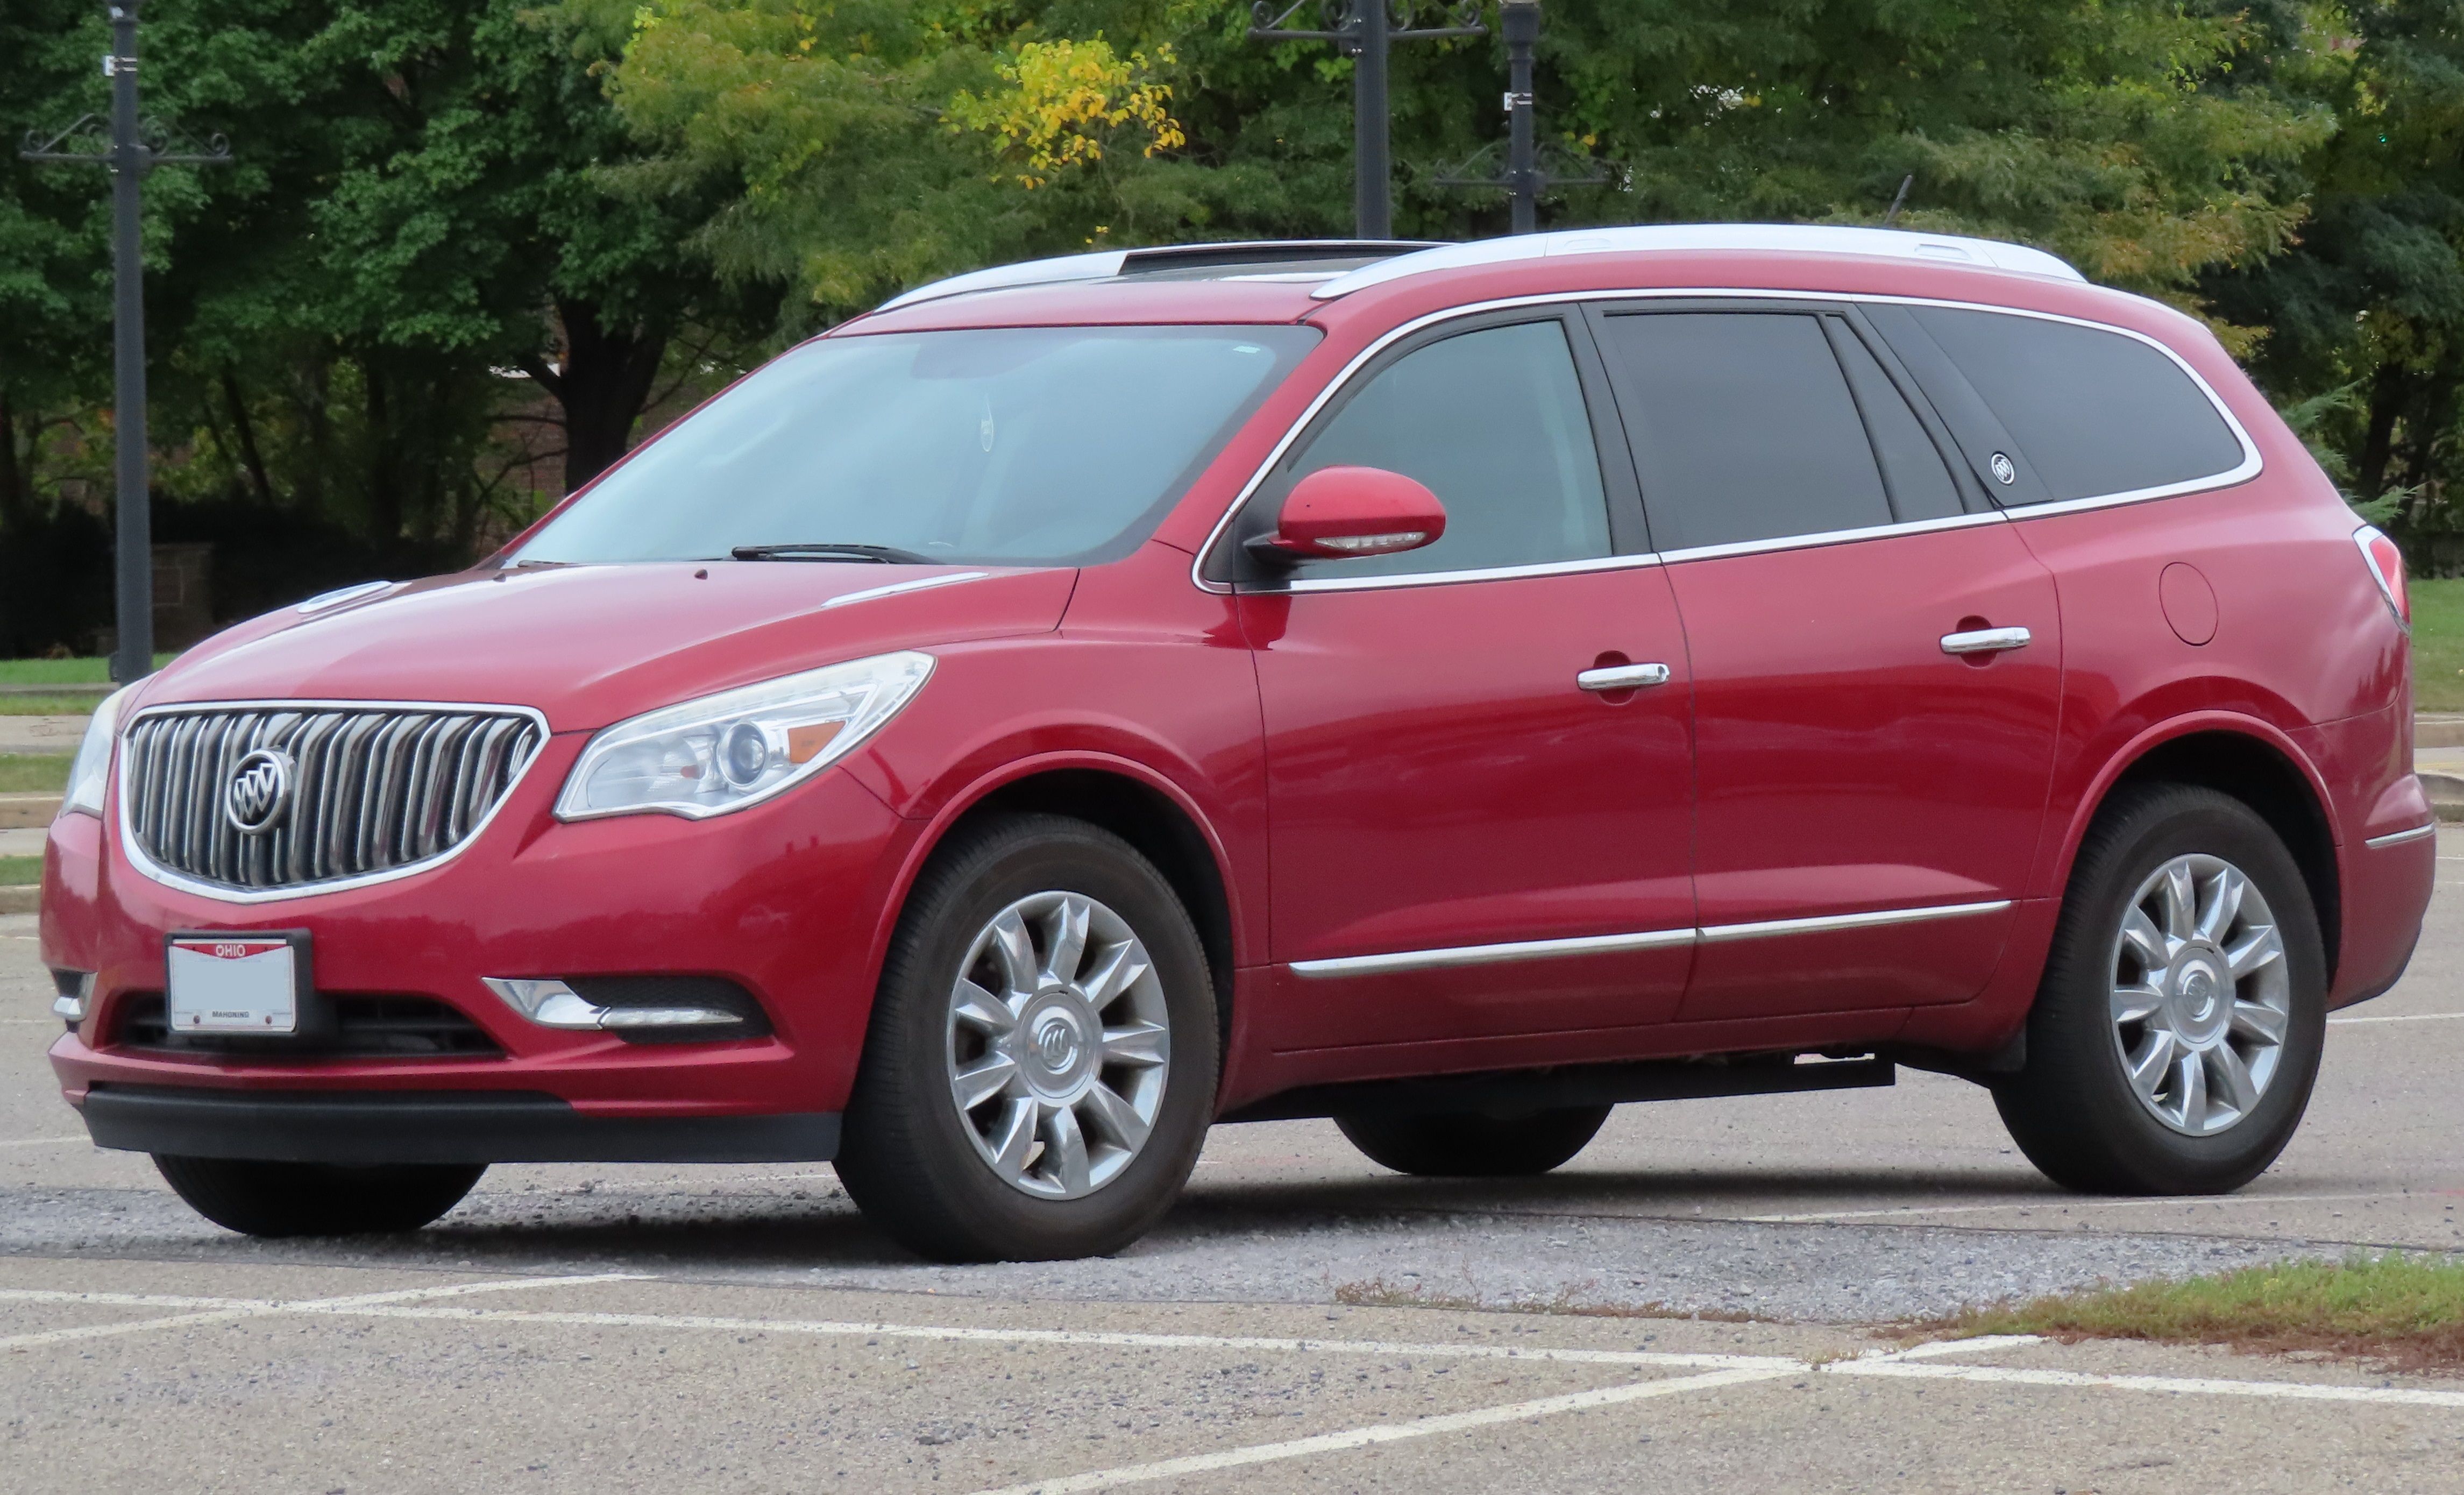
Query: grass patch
{"x": 2403, "y": 1311}
{"x": 48, "y": 705}
{"x": 2438, "y": 646}
{"x": 34, "y": 773}
{"x": 19, "y": 871}
{"x": 62, "y": 672}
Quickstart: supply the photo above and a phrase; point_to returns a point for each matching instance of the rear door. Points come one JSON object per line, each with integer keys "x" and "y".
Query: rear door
{"x": 1466, "y": 842}
{"x": 1877, "y": 660}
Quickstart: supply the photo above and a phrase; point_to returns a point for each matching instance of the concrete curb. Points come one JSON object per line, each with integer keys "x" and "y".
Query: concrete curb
{"x": 27, "y": 811}
{"x": 21, "y": 900}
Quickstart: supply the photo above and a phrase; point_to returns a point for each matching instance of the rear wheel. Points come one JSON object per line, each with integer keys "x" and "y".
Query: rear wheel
{"x": 2178, "y": 1027}
{"x": 261, "y": 1198}
{"x": 1473, "y": 1144}
{"x": 1040, "y": 1063}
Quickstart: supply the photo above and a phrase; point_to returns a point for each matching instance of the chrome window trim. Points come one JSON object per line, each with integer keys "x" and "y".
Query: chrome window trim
{"x": 1647, "y": 939}
{"x": 1369, "y": 583}
{"x": 2250, "y": 467}
{"x": 895, "y": 588}
{"x": 2397, "y": 838}
{"x": 157, "y": 872}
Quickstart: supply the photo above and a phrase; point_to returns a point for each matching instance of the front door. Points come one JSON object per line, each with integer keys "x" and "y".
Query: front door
{"x": 1467, "y": 842}
{"x": 1876, "y": 662}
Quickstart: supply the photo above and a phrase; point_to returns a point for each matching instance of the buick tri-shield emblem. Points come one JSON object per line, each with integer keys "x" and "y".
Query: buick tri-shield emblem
{"x": 2004, "y": 470}
{"x": 259, "y": 792}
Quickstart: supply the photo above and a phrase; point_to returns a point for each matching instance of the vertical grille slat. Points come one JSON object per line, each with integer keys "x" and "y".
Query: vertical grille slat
{"x": 373, "y": 788}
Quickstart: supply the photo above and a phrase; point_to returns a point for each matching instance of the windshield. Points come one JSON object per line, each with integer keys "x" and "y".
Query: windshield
{"x": 1058, "y": 446}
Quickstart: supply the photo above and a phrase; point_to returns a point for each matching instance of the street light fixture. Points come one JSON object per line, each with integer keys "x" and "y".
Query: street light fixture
{"x": 1364, "y": 30}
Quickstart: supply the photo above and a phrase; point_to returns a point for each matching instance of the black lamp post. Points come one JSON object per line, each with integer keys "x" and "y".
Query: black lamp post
{"x": 1524, "y": 178}
{"x": 128, "y": 147}
{"x": 1365, "y": 30}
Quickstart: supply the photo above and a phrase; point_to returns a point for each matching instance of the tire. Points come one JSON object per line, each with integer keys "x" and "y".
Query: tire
{"x": 277, "y": 1199}
{"x": 1005, "y": 1180}
{"x": 2074, "y": 1108}
{"x": 1472, "y": 1145}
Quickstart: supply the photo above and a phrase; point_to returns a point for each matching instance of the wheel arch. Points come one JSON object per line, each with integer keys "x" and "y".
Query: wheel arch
{"x": 2252, "y": 762}
{"x": 1127, "y": 799}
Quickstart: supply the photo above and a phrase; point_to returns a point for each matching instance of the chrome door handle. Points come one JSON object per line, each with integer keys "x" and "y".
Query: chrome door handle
{"x": 1985, "y": 641}
{"x": 1622, "y": 677}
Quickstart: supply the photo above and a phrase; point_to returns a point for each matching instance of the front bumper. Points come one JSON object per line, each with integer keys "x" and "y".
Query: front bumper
{"x": 786, "y": 899}
{"x": 436, "y": 1127}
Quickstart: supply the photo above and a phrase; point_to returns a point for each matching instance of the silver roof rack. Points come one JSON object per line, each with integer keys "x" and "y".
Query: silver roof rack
{"x": 1268, "y": 258}
{"x": 1794, "y": 238}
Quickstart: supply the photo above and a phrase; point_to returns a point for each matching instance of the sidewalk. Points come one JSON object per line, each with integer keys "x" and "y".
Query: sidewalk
{"x": 41, "y": 733}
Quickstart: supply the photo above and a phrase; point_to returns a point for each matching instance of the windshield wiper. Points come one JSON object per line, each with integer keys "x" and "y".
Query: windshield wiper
{"x": 883, "y": 555}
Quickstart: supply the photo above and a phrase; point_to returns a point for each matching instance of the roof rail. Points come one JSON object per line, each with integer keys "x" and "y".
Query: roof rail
{"x": 1192, "y": 261}
{"x": 1790, "y": 237}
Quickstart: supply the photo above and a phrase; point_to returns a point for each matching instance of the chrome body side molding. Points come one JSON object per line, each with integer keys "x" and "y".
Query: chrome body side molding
{"x": 1646, "y": 939}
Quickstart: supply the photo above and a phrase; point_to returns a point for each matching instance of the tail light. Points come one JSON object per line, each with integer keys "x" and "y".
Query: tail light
{"x": 2387, "y": 564}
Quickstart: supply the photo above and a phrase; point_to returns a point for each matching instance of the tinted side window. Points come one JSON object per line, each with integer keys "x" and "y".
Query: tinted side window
{"x": 1495, "y": 423}
{"x": 1912, "y": 467}
{"x": 2095, "y": 412}
{"x": 1743, "y": 427}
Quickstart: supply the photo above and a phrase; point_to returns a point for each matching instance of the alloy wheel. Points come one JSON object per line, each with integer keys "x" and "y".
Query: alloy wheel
{"x": 2201, "y": 995}
{"x": 1059, "y": 1041}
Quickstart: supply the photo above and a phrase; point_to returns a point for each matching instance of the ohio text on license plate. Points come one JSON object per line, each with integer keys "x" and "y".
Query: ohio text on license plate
{"x": 239, "y": 984}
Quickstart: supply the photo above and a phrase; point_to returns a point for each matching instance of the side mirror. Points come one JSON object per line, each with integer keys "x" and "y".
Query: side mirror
{"x": 1338, "y": 513}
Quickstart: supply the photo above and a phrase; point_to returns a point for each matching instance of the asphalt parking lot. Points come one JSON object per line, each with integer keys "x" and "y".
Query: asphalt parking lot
{"x": 1304, "y": 1318}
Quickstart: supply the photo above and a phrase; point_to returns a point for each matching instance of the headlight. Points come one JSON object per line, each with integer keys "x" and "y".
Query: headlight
{"x": 92, "y": 769}
{"x": 724, "y": 752}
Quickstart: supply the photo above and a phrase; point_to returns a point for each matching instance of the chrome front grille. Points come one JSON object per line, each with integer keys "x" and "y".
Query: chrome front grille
{"x": 373, "y": 789}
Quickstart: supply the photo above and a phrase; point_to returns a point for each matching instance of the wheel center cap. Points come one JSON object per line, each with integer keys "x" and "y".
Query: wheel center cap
{"x": 1056, "y": 1043}
{"x": 2199, "y": 1004}
{"x": 1054, "y": 1047}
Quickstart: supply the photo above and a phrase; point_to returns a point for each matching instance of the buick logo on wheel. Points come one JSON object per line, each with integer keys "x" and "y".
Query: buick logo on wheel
{"x": 259, "y": 792}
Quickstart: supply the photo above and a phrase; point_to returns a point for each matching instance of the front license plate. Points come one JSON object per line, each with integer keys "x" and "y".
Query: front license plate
{"x": 234, "y": 983}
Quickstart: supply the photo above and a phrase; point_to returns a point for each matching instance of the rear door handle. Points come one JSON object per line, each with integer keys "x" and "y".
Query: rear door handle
{"x": 1622, "y": 677}
{"x": 1985, "y": 641}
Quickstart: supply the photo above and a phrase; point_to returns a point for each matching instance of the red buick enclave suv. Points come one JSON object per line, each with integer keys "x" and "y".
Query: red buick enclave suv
{"x": 1449, "y": 689}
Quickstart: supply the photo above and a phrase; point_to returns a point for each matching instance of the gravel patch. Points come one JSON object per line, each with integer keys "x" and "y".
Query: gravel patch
{"x": 1205, "y": 1252}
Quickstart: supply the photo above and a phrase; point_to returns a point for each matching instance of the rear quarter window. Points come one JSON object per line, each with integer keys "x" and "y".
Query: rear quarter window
{"x": 2094, "y": 412}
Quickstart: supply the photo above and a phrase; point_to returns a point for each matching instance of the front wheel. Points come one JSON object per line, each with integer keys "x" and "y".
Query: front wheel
{"x": 1040, "y": 1063}
{"x": 2178, "y": 1027}
{"x": 277, "y": 1199}
{"x": 1474, "y": 1144}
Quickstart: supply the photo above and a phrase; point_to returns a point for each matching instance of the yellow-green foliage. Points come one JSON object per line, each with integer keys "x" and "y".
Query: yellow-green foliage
{"x": 1063, "y": 103}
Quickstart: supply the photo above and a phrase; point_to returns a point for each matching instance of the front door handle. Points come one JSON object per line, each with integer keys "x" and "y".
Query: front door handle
{"x": 1622, "y": 677}
{"x": 1985, "y": 641}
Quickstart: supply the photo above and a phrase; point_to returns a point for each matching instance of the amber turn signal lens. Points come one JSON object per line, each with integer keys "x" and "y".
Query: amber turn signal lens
{"x": 806, "y": 743}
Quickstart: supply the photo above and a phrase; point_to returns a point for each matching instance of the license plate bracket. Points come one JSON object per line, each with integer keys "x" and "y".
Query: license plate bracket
{"x": 258, "y": 982}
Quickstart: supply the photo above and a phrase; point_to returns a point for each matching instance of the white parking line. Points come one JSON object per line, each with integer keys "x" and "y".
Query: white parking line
{"x": 1905, "y": 1363}
{"x": 2177, "y": 1385}
{"x": 232, "y": 1309}
{"x": 2049, "y": 1203}
{"x": 1083, "y": 1337}
{"x": 41, "y": 1141}
{"x": 1389, "y": 1432}
{"x": 2402, "y": 1017}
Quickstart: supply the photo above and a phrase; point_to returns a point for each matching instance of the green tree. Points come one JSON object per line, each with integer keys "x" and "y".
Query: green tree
{"x": 2366, "y": 311}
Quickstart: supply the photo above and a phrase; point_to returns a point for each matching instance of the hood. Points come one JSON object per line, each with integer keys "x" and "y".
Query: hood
{"x": 590, "y": 645}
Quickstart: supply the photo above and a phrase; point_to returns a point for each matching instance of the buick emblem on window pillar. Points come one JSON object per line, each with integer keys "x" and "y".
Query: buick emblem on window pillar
{"x": 259, "y": 792}
{"x": 2003, "y": 470}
